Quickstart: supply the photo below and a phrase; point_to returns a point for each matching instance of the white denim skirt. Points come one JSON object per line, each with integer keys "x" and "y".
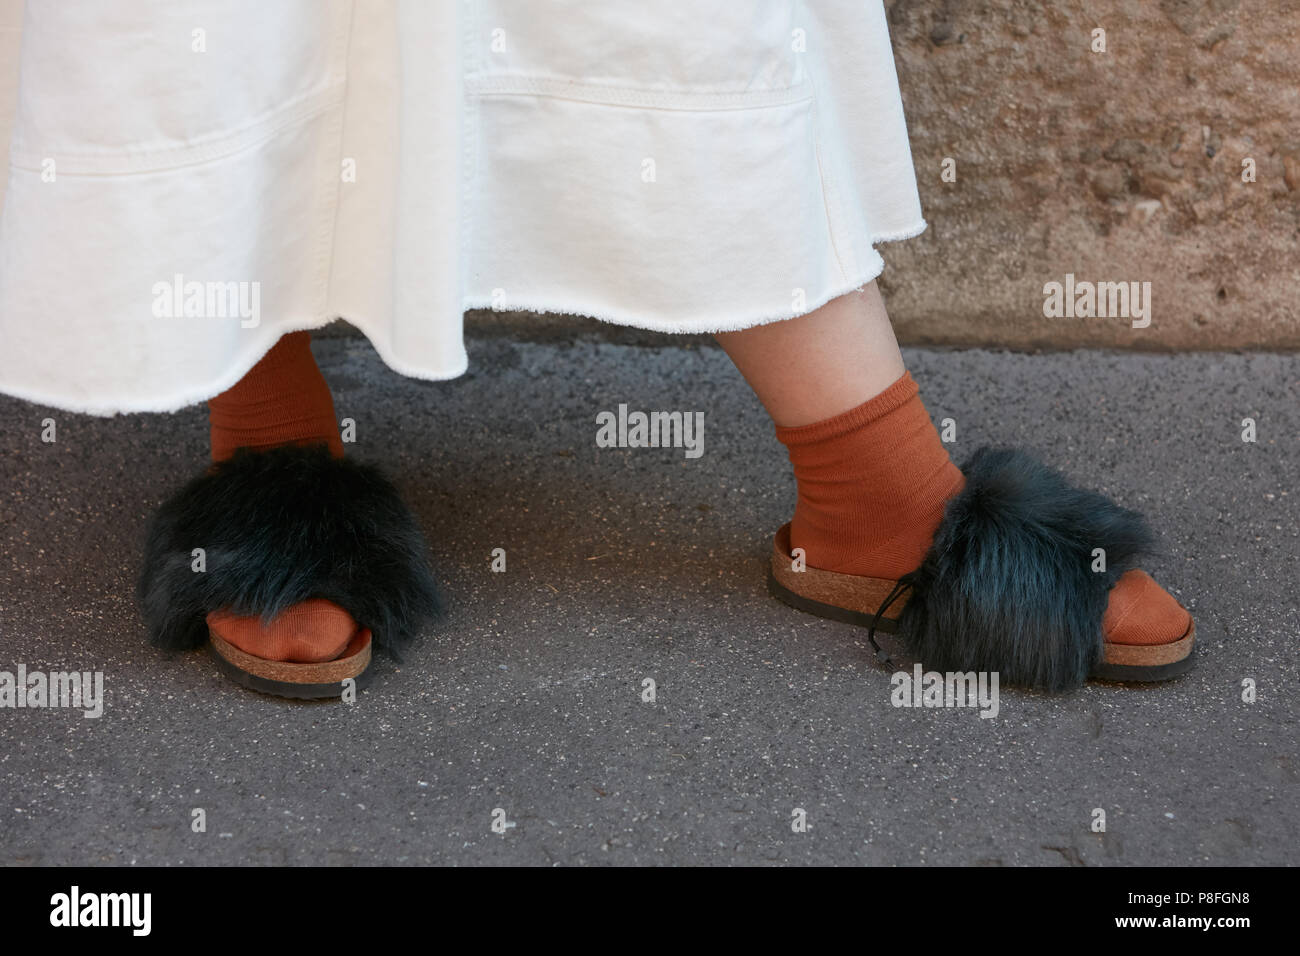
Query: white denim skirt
{"x": 190, "y": 179}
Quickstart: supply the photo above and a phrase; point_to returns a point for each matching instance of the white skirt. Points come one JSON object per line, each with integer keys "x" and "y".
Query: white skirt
{"x": 188, "y": 181}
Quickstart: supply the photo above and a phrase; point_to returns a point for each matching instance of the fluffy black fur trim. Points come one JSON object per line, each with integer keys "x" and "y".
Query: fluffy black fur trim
{"x": 278, "y": 527}
{"x": 1008, "y": 584}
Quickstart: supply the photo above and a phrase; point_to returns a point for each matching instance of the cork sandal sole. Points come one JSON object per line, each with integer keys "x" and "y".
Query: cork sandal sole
{"x": 850, "y": 598}
{"x": 854, "y": 599}
{"x": 289, "y": 679}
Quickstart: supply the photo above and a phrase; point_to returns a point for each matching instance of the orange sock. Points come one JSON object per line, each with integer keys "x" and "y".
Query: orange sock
{"x": 872, "y": 485}
{"x": 309, "y": 632}
{"x": 283, "y": 400}
{"x": 1142, "y": 612}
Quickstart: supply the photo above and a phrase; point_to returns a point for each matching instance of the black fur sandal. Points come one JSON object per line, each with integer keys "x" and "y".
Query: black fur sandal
{"x": 278, "y": 527}
{"x": 1007, "y": 584}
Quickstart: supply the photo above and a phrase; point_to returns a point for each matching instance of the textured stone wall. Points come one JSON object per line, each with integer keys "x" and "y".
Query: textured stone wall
{"x": 1114, "y": 166}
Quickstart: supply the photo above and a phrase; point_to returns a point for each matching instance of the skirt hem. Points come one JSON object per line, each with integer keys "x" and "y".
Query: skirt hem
{"x": 703, "y": 326}
{"x": 196, "y": 396}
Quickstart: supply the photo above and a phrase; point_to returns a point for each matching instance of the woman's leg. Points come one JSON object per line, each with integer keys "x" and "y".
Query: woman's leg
{"x": 282, "y": 400}
{"x": 873, "y": 475}
{"x": 290, "y": 560}
{"x": 820, "y": 364}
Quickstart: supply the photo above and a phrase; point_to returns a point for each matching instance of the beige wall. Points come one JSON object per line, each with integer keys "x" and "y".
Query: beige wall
{"x": 1124, "y": 165}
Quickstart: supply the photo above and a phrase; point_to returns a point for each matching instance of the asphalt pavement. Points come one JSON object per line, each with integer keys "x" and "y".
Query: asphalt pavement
{"x": 527, "y": 705}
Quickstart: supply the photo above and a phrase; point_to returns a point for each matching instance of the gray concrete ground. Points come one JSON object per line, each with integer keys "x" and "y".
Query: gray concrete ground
{"x": 625, "y": 564}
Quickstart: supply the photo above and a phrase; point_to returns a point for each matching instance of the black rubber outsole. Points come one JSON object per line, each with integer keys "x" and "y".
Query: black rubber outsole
{"x": 1128, "y": 674}
{"x": 279, "y": 688}
{"x": 1111, "y": 673}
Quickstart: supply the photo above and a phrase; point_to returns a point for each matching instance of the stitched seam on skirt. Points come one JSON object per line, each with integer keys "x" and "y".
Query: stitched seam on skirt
{"x": 330, "y": 188}
{"x": 471, "y": 149}
{"x": 192, "y": 154}
{"x": 644, "y": 99}
{"x": 827, "y": 184}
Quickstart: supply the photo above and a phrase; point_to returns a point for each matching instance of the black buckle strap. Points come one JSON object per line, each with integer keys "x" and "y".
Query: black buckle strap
{"x": 900, "y": 588}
